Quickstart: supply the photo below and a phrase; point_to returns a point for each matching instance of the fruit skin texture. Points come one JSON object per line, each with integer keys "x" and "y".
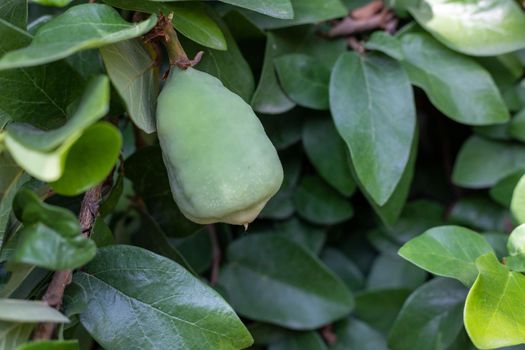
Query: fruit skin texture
{"x": 221, "y": 165}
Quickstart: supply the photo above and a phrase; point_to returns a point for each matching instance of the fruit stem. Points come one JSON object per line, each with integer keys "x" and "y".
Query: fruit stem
{"x": 176, "y": 53}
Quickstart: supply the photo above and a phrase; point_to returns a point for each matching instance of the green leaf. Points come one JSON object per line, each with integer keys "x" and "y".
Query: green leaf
{"x": 478, "y": 28}
{"x": 516, "y": 249}
{"x": 449, "y": 251}
{"x": 136, "y": 78}
{"x": 51, "y": 345}
{"x": 327, "y": 153}
{"x": 38, "y": 95}
{"x": 345, "y": 268}
{"x": 317, "y": 202}
{"x": 385, "y": 43}
{"x": 502, "y": 191}
{"x": 390, "y": 271}
{"x": 13, "y": 334}
{"x": 50, "y": 237}
{"x": 304, "y": 79}
{"x": 29, "y": 311}
{"x": 431, "y": 317}
{"x": 517, "y": 204}
{"x": 380, "y": 308}
{"x": 457, "y": 85}
{"x": 274, "y": 8}
{"x": 56, "y": 3}
{"x": 284, "y": 130}
{"x": 301, "y": 341}
{"x": 191, "y": 19}
{"x": 133, "y": 295}
{"x": 64, "y": 35}
{"x": 309, "y": 236}
{"x": 516, "y": 127}
{"x": 492, "y": 318}
{"x": 14, "y": 12}
{"x": 196, "y": 249}
{"x": 304, "y": 295}
{"x": 354, "y": 334}
{"x": 479, "y": 213}
{"x": 372, "y": 105}
{"x": 482, "y": 163}
{"x": 101, "y": 233}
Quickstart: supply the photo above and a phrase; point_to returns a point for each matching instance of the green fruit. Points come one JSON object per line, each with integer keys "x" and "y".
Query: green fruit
{"x": 221, "y": 165}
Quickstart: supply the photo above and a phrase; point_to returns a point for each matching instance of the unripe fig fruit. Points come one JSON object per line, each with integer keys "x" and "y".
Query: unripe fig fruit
{"x": 221, "y": 165}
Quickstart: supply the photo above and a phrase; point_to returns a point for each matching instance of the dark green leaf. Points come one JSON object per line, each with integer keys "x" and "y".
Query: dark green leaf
{"x": 372, "y": 105}
{"x": 517, "y": 126}
{"x": 501, "y": 192}
{"x": 101, "y": 233}
{"x": 300, "y": 341}
{"x": 346, "y": 269}
{"x": 354, "y": 334}
{"x": 51, "y": 345}
{"x": 457, "y": 85}
{"x": 13, "y": 334}
{"x": 64, "y": 35}
{"x": 304, "y": 295}
{"x": 319, "y": 203}
{"x": 431, "y": 317}
{"x": 391, "y": 271}
{"x": 449, "y": 251}
{"x": 478, "y": 213}
{"x": 14, "y": 12}
{"x": 274, "y": 8}
{"x": 310, "y": 237}
{"x": 133, "y": 295}
{"x": 517, "y": 204}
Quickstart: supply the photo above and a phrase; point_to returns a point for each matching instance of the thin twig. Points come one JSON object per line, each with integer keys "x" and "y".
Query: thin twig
{"x": 368, "y": 10}
{"x": 329, "y": 335}
{"x": 55, "y": 290}
{"x": 349, "y": 25}
{"x": 216, "y": 254}
{"x": 356, "y": 45}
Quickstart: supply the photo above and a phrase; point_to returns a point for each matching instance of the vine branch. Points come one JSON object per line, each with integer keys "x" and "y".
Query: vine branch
{"x": 55, "y": 291}
{"x": 216, "y": 254}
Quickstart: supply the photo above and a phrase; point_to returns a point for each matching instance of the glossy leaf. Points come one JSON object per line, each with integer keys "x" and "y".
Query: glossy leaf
{"x": 274, "y": 8}
{"x": 29, "y": 311}
{"x": 431, "y": 317}
{"x": 449, "y": 251}
{"x": 14, "y": 12}
{"x": 56, "y": 39}
{"x": 305, "y": 295}
{"x": 379, "y": 137}
{"x": 190, "y": 19}
{"x": 517, "y": 204}
{"x": 491, "y": 318}
{"x": 131, "y": 295}
{"x": 51, "y": 345}
{"x": 135, "y": 76}
{"x": 479, "y": 28}
{"x": 301, "y": 341}
{"x": 482, "y": 163}
{"x": 304, "y": 80}
{"x": 327, "y": 153}
{"x": 390, "y": 271}
{"x": 458, "y": 86}
{"x": 354, "y": 334}
{"x": 317, "y": 202}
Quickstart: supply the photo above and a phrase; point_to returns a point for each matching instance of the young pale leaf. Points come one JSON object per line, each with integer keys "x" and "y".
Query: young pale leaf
{"x": 354, "y": 334}
{"x": 13, "y": 334}
{"x": 478, "y": 28}
{"x": 482, "y": 163}
{"x": 64, "y": 35}
{"x": 14, "y": 12}
{"x": 517, "y": 204}
{"x": 327, "y": 153}
{"x": 56, "y": 3}
{"x": 14, "y": 310}
{"x": 431, "y": 317}
{"x": 492, "y": 318}
{"x": 373, "y": 108}
{"x": 51, "y": 345}
{"x": 449, "y": 251}
{"x": 457, "y": 85}
{"x": 132, "y": 296}
{"x": 191, "y": 19}
{"x": 318, "y": 203}
{"x": 300, "y": 341}
{"x": 134, "y": 74}
{"x": 304, "y": 79}
{"x": 304, "y": 295}
{"x": 516, "y": 249}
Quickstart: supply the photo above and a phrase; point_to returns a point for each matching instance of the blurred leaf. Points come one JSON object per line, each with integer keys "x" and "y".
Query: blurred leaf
{"x": 101, "y": 233}
{"x": 501, "y": 192}
{"x": 449, "y": 251}
{"x": 391, "y": 271}
{"x": 308, "y": 236}
{"x": 490, "y": 313}
{"x": 482, "y": 163}
{"x": 327, "y": 152}
{"x": 14, "y": 12}
{"x": 372, "y": 105}
{"x": 354, "y": 334}
{"x": 304, "y": 79}
{"x": 318, "y": 203}
{"x": 431, "y": 317}
{"x": 13, "y": 334}
{"x": 134, "y": 74}
{"x": 479, "y": 28}
{"x": 64, "y": 35}
{"x": 305, "y": 295}
{"x": 479, "y": 213}
{"x": 14, "y": 310}
{"x": 301, "y": 341}
{"x": 517, "y": 126}
{"x": 130, "y": 292}
{"x": 516, "y": 249}
{"x": 51, "y": 345}
{"x": 517, "y": 204}
{"x": 195, "y": 249}
{"x": 88, "y": 63}
{"x": 498, "y": 241}
{"x": 190, "y": 19}
{"x": 380, "y": 308}
{"x": 458, "y": 86}
{"x": 284, "y": 130}
{"x": 274, "y": 8}
{"x": 385, "y": 43}
{"x": 57, "y": 3}
{"x": 344, "y": 268}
